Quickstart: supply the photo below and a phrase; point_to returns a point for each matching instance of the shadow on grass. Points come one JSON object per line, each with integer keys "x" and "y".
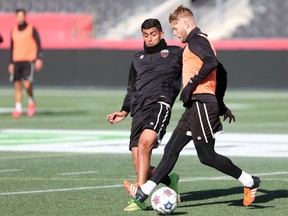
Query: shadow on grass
{"x": 174, "y": 213}
{"x": 50, "y": 113}
{"x": 61, "y": 113}
{"x": 265, "y": 197}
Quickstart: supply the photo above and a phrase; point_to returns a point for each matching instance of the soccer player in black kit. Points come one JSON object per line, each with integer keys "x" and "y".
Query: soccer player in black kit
{"x": 154, "y": 83}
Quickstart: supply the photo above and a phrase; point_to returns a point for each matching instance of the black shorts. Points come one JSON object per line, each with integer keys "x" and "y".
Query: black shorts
{"x": 201, "y": 121}
{"x": 24, "y": 71}
{"x": 155, "y": 117}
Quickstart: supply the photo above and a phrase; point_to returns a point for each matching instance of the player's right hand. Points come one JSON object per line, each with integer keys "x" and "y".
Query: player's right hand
{"x": 11, "y": 68}
{"x": 228, "y": 115}
{"x": 186, "y": 93}
{"x": 38, "y": 64}
{"x": 116, "y": 117}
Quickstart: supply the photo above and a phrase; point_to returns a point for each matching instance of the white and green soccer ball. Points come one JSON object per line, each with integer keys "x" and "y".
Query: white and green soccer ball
{"x": 164, "y": 200}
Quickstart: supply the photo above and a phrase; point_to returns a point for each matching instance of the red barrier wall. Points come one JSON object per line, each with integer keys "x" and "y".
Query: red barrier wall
{"x": 55, "y": 29}
{"x": 74, "y": 31}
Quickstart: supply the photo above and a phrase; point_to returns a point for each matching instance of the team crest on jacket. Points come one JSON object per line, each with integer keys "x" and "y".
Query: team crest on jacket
{"x": 164, "y": 53}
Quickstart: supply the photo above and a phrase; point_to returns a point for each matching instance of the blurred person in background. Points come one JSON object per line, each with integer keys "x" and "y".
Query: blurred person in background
{"x": 26, "y": 58}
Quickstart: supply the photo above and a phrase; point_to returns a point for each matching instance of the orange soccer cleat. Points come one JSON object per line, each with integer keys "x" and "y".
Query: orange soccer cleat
{"x": 130, "y": 188}
{"x": 250, "y": 192}
{"x": 31, "y": 109}
{"x": 135, "y": 191}
{"x": 16, "y": 114}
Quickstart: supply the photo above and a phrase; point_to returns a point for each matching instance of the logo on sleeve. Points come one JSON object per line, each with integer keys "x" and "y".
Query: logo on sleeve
{"x": 164, "y": 53}
{"x": 142, "y": 56}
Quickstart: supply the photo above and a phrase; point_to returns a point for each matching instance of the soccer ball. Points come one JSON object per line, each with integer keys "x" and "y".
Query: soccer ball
{"x": 164, "y": 200}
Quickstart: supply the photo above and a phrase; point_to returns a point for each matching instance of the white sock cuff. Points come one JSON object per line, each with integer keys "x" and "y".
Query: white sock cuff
{"x": 148, "y": 187}
{"x": 30, "y": 100}
{"x": 18, "y": 107}
{"x": 246, "y": 179}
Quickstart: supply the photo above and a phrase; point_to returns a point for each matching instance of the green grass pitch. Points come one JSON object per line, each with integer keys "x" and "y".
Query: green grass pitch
{"x": 91, "y": 184}
{"x": 85, "y": 195}
{"x": 255, "y": 111}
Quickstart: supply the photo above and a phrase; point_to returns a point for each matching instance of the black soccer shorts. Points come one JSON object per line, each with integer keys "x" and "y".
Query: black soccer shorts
{"x": 24, "y": 71}
{"x": 201, "y": 121}
{"x": 155, "y": 117}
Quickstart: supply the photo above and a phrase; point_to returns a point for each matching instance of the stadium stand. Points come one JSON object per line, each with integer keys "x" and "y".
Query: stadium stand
{"x": 221, "y": 19}
{"x": 106, "y": 13}
{"x": 270, "y": 20}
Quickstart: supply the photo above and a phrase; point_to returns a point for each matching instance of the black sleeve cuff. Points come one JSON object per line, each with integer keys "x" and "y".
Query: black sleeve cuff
{"x": 125, "y": 108}
{"x": 222, "y": 108}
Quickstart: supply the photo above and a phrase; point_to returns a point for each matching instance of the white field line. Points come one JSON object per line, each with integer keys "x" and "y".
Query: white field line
{"x": 117, "y": 186}
{"x": 89, "y": 141}
{"x": 191, "y": 179}
{"x": 10, "y": 170}
{"x": 59, "y": 190}
{"x": 78, "y": 173}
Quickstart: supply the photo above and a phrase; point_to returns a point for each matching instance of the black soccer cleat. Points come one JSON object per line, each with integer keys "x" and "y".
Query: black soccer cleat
{"x": 135, "y": 191}
{"x": 140, "y": 196}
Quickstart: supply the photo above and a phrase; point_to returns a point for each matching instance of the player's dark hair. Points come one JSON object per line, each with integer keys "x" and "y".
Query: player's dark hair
{"x": 21, "y": 10}
{"x": 150, "y": 23}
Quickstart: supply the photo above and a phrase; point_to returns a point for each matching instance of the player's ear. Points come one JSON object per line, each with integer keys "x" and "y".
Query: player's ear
{"x": 162, "y": 34}
{"x": 186, "y": 24}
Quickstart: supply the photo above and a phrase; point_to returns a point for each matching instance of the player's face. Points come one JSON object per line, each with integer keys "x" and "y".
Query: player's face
{"x": 21, "y": 18}
{"x": 152, "y": 36}
{"x": 179, "y": 31}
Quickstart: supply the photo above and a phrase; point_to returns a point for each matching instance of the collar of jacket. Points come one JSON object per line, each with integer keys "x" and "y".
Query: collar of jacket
{"x": 195, "y": 31}
{"x": 22, "y": 26}
{"x": 157, "y": 48}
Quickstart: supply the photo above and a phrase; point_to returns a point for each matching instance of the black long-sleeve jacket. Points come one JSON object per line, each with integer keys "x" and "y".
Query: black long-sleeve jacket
{"x": 155, "y": 75}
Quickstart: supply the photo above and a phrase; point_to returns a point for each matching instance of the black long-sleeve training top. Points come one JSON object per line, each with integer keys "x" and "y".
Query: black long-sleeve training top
{"x": 155, "y": 75}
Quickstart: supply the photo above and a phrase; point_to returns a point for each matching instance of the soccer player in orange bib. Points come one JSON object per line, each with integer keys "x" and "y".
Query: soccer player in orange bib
{"x": 200, "y": 122}
{"x": 26, "y": 58}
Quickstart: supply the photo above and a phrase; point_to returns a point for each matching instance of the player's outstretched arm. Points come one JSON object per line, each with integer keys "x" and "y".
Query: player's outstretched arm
{"x": 116, "y": 117}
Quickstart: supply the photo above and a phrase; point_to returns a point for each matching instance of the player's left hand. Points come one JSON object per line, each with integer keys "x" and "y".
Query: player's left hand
{"x": 186, "y": 93}
{"x": 116, "y": 117}
{"x": 38, "y": 64}
{"x": 228, "y": 115}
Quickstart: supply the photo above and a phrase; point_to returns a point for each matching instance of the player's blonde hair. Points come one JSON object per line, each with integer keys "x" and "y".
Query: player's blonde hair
{"x": 180, "y": 12}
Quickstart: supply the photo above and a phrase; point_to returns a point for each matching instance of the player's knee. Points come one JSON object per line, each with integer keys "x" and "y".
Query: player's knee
{"x": 27, "y": 85}
{"x": 18, "y": 85}
{"x": 207, "y": 160}
{"x": 145, "y": 146}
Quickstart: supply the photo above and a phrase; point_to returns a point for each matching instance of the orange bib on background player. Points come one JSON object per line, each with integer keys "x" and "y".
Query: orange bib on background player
{"x": 24, "y": 45}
